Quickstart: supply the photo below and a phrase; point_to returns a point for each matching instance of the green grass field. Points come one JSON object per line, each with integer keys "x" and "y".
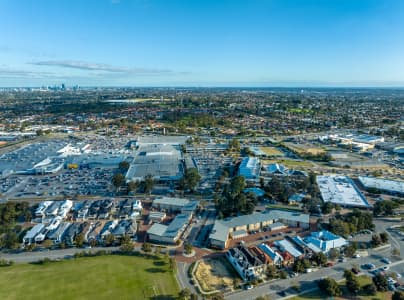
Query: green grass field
{"x": 102, "y": 277}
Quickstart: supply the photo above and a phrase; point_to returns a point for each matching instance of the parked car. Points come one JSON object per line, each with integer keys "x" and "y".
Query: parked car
{"x": 386, "y": 260}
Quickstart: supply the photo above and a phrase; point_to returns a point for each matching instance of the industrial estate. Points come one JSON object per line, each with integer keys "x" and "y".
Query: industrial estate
{"x": 239, "y": 194}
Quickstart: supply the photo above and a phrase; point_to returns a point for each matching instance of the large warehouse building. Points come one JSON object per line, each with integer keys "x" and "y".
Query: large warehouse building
{"x": 163, "y": 162}
{"x": 390, "y": 186}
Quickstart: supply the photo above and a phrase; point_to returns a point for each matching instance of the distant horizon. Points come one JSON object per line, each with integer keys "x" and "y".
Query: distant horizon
{"x": 207, "y": 86}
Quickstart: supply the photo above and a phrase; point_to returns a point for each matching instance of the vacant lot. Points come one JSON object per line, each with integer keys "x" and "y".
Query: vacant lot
{"x": 214, "y": 274}
{"x": 272, "y": 151}
{"x": 102, "y": 277}
{"x": 291, "y": 164}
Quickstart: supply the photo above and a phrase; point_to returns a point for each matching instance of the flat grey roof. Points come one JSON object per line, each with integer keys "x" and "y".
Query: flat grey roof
{"x": 157, "y": 229}
{"x": 177, "y": 225}
{"x": 158, "y": 160}
{"x": 170, "y": 201}
{"x": 383, "y": 184}
{"x": 161, "y": 139}
{"x": 256, "y": 217}
{"x": 340, "y": 190}
{"x": 221, "y": 228}
{"x": 172, "y": 229}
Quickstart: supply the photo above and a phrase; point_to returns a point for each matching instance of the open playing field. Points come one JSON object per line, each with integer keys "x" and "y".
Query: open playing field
{"x": 102, "y": 277}
{"x": 214, "y": 274}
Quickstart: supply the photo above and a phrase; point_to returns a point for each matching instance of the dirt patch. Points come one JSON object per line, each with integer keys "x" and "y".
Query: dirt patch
{"x": 214, "y": 274}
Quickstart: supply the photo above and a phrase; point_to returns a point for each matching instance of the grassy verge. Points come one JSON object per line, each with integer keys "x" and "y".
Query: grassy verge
{"x": 284, "y": 207}
{"x": 363, "y": 280}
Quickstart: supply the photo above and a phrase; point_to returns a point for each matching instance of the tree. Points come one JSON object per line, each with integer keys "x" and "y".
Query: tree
{"x": 185, "y": 294}
{"x": 398, "y": 295}
{"x": 187, "y": 248}
{"x": 148, "y": 184}
{"x": 191, "y": 178}
{"x": 334, "y": 253}
{"x": 47, "y": 243}
{"x": 300, "y": 265}
{"x": 236, "y": 282}
{"x": 283, "y": 274}
{"x": 146, "y": 247}
{"x": 320, "y": 258}
{"x": 384, "y": 237}
{"x": 271, "y": 272}
{"x": 380, "y": 282}
{"x": 350, "y": 250}
{"x": 9, "y": 240}
{"x": 234, "y": 145}
{"x": 376, "y": 240}
{"x": 330, "y": 287}
{"x": 124, "y": 166}
{"x": 93, "y": 243}
{"x": 126, "y": 244}
{"x": 193, "y": 297}
{"x": 117, "y": 180}
{"x": 109, "y": 240}
{"x": 384, "y": 208}
{"x": 369, "y": 289}
{"x": 217, "y": 296}
{"x": 327, "y": 208}
{"x": 132, "y": 186}
{"x": 352, "y": 282}
{"x": 171, "y": 264}
{"x": 79, "y": 240}
{"x": 237, "y": 185}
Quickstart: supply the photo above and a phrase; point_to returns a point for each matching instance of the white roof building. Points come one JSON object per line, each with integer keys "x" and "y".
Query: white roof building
{"x": 392, "y": 186}
{"x": 341, "y": 190}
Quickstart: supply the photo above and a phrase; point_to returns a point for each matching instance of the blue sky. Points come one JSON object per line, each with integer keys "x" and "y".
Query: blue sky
{"x": 202, "y": 43}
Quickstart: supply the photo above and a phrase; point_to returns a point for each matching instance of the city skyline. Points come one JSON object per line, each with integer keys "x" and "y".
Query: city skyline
{"x": 210, "y": 43}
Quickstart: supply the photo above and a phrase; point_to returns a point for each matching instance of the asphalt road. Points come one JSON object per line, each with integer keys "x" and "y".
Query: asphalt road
{"x": 308, "y": 281}
{"x": 382, "y": 225}
{"x": 182, "y": 277}
{"x": 27, "y": 257}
